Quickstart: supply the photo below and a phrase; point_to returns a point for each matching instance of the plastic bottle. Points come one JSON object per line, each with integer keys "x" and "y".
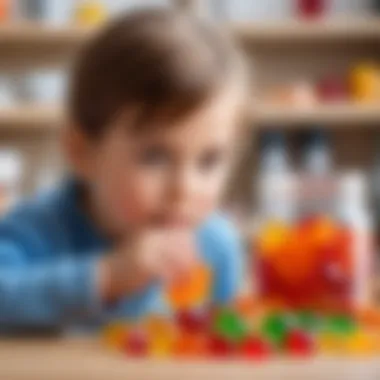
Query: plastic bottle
{"x": 10, "y": 176}
{"x": 317, "y": 188}
{"x": 276, "y": 181}
{"x": 355, "y": 213}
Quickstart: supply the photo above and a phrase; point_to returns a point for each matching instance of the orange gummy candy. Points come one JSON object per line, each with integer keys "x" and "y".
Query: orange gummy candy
{"x": 323, "y": 231}
{"x": 190, "y": 345}
{"x": 272, "y": 239}
{"x": 296, "y": 261}
{"x": 192, "y": 290}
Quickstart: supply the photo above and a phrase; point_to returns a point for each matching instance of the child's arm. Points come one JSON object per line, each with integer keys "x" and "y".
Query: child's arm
{"x": 41, "y": 284}
{"x": 223, "y": 248}
{"x": 37, "y": 289}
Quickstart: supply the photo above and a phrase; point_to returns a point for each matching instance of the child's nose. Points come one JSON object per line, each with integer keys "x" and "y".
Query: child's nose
{"x": 185, "y": 186}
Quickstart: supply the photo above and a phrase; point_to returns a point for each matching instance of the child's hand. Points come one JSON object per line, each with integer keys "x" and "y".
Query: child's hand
{"x": 162, "y": 255}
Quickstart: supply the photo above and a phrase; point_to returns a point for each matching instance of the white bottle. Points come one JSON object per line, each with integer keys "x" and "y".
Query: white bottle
{"x": 10, "y": 176}
{"x": 276, "y": 180}
{"x": 355, "y": 213}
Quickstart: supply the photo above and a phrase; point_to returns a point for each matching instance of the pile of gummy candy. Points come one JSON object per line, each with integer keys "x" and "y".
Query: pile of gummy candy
{"x": 293, "y": 315}
{"x": 248, "y": 331}
{"x": 310, "y": 262}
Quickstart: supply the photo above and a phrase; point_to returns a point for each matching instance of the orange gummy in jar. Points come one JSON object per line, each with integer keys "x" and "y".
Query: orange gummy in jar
{"x": 192, "y": 289}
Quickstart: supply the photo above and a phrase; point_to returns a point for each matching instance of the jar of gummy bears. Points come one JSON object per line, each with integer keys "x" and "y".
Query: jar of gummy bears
{"x": 319, "y": 260}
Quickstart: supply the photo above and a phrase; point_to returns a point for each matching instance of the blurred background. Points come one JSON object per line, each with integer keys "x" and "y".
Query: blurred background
{"x": 315, "y": 98}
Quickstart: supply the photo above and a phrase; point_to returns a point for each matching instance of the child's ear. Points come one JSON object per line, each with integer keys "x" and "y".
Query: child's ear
{"x": 77, "y": 151}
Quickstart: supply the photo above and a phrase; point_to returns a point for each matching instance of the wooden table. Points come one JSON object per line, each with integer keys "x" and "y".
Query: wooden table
{"x": 87, "y": 360}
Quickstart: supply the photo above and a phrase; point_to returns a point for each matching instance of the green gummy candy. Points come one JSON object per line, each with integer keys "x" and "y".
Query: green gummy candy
{"x": 308, "y": 320}
{"x": 275, "y": 327}
{"x": 341, "y": 324}
{"x": 230, "y": 325}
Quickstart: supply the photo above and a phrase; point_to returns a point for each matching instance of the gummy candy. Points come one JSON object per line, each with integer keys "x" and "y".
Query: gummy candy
{"x": 190, "y": 345}
{"x": 230, "y": 325}
{"x": 308, "y": 320}
{"x": 272, "y": 239}
{"x": 341, "y": 324}
{"x": 162, "y": 334}
{"x": 323, "y": 230}
{"x": 114, "y": 335}
{"x": 360, "y": 343}
{"x": 193, "y": 321}
{"x": 369, "y": 317}
{"x": 255, "y": 348}
{"x": 275, "y": 327}
{"x": 220, "y": 347}
{"x": 192, "y": 290}
{"x": 246, "y": 306}
{"x": 137, "y": 343}
{"x": 299, "y": 343}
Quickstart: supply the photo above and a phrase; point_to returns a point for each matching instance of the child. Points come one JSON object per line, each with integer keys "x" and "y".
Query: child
{"x": 154, "y": 106}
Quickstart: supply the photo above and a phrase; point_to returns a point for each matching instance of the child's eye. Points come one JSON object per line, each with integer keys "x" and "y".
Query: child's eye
{"x": 154, "y": 156}
{"x": 211, "y": 160}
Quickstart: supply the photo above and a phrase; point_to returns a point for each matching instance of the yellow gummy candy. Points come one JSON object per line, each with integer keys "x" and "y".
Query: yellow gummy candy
{"x": 330, "y": 343}
{"x": 360, "y": 343}
{"x": 272, "y": 238}
{"x": 162, "y": 335}
{"x": 114, "y": 335}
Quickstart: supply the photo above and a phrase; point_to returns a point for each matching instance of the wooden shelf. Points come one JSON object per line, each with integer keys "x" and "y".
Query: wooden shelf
{"x": 350, "y": 29}
{"x": 340, "y": 115}
{"x": 354, "y": 29}
{"x": 30, "y": 118}
{"x": 39, "y": 34}
{"x": 45, "y": 118}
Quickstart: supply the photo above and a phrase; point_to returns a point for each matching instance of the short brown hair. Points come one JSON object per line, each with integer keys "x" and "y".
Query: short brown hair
{"x": 163, "y": 62}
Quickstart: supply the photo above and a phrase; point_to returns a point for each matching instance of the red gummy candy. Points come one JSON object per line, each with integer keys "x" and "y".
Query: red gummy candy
{"x": 256, "y": 348}
{"x": 220, "y": 347}
{"x": 299, "y": 343}
{"x": 192, "y": 321}
{"x": 136, "y": 344}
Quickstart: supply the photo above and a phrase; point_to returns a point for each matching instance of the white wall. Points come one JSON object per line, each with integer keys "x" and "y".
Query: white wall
{"x": 278, "y": 9}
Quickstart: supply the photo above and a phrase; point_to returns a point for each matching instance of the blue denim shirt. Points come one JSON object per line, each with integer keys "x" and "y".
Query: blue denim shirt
{"x": 49, "y": 251}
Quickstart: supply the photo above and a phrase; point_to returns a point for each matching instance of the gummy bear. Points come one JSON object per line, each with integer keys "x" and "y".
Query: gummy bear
{"x": 162, "y": 335}
{"x": 275, "y": 327}
{"x": 308, "y": 320}
{"x": 360, "y": 343}
{"x": 137, "y": 343}
{"x": 220, "y": 347}
{"x": 341, "y": 325}
{"x": 192, "y": 290}
{"x": 246, "y": 306}
{"x": 299, "y": 343}
{"x": 330, "y": 343}
{"x": 230, "y": 325}
{"x": 255, "y": 348}
{"x": 272, "y": 239}
{"x": 193, "y": 321}
{"x": 190, "y": 345}
{"x": 114, "y": 335}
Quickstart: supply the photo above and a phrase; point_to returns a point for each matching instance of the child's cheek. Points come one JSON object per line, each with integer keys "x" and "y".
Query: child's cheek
{"x": 135, "y": 205}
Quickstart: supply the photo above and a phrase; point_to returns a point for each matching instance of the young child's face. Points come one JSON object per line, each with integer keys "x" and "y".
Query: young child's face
{"x": 171, "y": 176}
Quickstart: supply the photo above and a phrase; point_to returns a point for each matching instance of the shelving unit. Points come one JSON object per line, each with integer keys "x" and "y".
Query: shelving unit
{"x": 47, "y": 118}
{"x": 26, "y": 34}
{"x": 279, "y": 50}
{"x": 333, "y": 115}
{"x": 325, "y": 30}
{"x": 30, "y": 118}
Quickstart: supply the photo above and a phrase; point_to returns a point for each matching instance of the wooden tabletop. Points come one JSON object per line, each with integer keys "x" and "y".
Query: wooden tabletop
{"x": 87, "y": 360}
